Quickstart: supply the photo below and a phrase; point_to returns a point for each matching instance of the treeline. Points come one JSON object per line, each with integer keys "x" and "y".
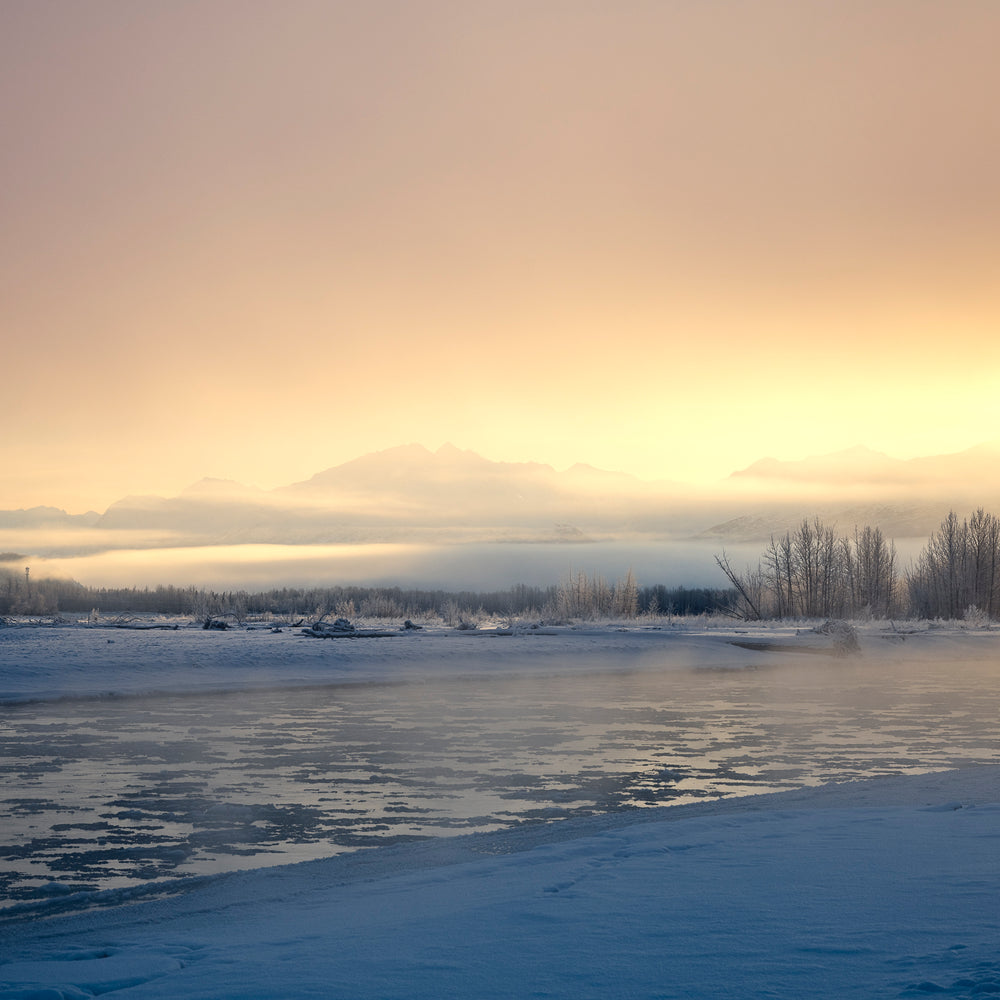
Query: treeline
{"x": 815, "y": 573}
{"x": 812, "y": 572}
{"x": 581, "y": 596}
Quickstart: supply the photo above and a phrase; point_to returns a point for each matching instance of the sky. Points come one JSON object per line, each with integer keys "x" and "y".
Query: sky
{"x": 253, "y": 240}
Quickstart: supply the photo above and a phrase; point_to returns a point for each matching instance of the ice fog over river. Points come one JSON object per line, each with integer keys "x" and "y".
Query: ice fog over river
{"x": 130, "y": 757}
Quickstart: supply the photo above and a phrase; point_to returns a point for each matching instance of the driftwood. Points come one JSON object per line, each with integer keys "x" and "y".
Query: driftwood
{"x": 358, "y": 633}
{"x": 140, "y": 626}
{"x": 343, "y": 629}
{"x": 135, "y": 624}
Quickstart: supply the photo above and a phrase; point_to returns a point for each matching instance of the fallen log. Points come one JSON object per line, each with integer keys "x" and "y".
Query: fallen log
{"x": 142, "y": 626}
{"x": 356, "y": 633}
{"x": 135, "y": 626}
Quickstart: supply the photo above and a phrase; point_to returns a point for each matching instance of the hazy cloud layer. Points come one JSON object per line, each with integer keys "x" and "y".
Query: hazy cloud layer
{"x": 251, "y": 240}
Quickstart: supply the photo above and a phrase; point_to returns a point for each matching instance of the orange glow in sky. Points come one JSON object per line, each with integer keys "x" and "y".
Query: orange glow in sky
{"x": 254, "y": 240}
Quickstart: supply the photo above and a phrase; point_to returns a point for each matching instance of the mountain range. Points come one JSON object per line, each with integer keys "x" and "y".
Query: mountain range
{"x": 412, "y": 494}
{"x": 861, "y": 466}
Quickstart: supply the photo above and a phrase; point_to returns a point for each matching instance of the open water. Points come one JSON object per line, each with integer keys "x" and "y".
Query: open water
{"x": 115, "y": 792}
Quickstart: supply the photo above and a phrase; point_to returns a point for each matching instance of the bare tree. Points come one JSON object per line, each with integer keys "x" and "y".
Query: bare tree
{"x": 984, "y": 561}
{"x": 959, "y": 569}
{"x": 871, "y": 565}
{"x": 813, "y": 573}
{"x": 816, "y": 576}
{"x": 750, "y": 589}
{"x": 778, "y": 569}
{"x": 626, "y": 596}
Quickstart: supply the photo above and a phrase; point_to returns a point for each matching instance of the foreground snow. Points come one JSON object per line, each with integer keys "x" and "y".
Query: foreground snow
{"x": 867, "y": 889}
{"x": 882, "y": 888}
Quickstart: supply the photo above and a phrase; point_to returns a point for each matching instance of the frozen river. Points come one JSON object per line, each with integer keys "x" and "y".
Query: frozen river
{"x": 111, "y": 792}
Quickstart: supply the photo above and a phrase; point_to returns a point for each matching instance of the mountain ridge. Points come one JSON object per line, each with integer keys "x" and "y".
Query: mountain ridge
{"x": 412, "y": 494}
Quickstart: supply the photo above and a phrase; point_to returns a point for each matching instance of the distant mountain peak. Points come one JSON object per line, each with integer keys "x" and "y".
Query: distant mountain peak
{"x": 213, "y": 487}
{"x": 858, "y": 462}
{"x": 450, "y": 455}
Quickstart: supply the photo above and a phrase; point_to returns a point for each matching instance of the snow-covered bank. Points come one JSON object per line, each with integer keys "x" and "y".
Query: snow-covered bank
{"x": 77, "y": 661}
{"x": 884, "y": 888}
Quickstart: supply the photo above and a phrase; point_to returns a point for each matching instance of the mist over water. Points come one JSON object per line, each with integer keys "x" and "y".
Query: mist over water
{"x": 106, "y": 793}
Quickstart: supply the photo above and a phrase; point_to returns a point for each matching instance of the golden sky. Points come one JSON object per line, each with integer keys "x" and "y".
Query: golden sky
{"x": 254, "y": 239}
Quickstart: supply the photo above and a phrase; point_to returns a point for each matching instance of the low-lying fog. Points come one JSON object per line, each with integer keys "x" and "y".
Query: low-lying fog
{"x": 476, "y": 566}
{"x": 449, "y": 567}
